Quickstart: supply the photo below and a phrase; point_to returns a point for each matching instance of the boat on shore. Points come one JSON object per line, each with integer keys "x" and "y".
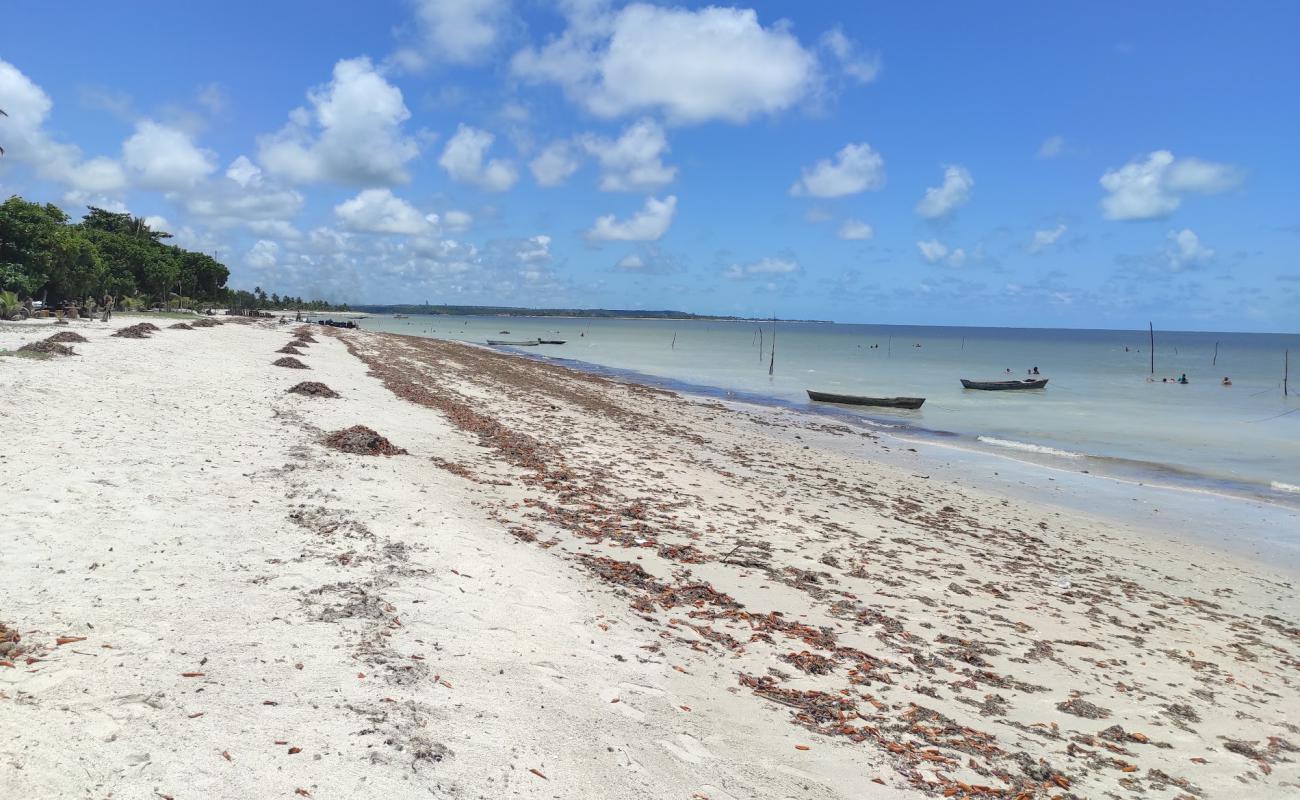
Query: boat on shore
{"x": 1002, "y": 386}
{"x": 506, "y": 342}
{"x": 855, "y": 400}
{"x": 551, "y": 341}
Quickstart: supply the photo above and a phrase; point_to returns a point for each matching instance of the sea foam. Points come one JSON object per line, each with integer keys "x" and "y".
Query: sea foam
{"x": 1011, "y": 444}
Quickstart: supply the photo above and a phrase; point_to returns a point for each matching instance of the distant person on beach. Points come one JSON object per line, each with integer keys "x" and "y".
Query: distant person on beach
{"x": 1227, "y": 381}
{"x": 108, "y": 308}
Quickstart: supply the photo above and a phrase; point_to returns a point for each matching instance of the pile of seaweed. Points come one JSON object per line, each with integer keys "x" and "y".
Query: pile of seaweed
{"x": 313, "y": 389}
{"x": 204, "y": 323}
{"x": 289, "y": 362}
{"x": 138, "y": 331}
{"x": 65, "y": 336}
{"x": 47, "y": 347}
{"x": 181, "y": 326}
{"x": 362, "y": 441}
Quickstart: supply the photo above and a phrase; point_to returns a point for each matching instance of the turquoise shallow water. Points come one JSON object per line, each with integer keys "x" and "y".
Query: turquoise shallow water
{"x": 1099, "y": 411}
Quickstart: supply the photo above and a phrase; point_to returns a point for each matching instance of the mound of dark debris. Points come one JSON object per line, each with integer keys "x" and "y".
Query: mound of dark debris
{"x": 204, "y": 323}
{"x": 313, "y": 389}
{"x": 362, "y": 441}
{"x": 47, "y": 347}
{"x": 181, "y": 326}
{"x": 140, "y": 330}
{"x": 289, "y": 362}
{"x": 66, "y": 336}
{"x": 290, "y": 349}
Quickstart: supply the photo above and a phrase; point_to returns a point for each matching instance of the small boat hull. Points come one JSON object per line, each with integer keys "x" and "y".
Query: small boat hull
{"x": 502, "y": 342}
{"x": 855, "y": 400}
{"x": 1003, "y": 386}
{"x": 550, "y": 341}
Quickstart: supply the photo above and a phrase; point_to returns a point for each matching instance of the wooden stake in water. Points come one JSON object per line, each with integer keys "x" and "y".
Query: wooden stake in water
{"x": 1216, "y": 354}
{"x": 1152, "y": 329}
{"x": 771, "y": 365}
{"x": 674, "y": 347}
{"x": 760, "y": 344}
{"x": 1286, "y": 368}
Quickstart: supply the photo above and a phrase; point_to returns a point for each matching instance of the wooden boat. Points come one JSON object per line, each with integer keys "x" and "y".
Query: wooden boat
{"x": 854, "y": 400}
{"x": 550, "y": 341}
{"x": 1001, "y": 386}
{"x": 524, "y": 343}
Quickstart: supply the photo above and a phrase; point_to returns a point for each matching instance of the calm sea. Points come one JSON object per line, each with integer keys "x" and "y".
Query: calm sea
{"x": 1099, "y": 412}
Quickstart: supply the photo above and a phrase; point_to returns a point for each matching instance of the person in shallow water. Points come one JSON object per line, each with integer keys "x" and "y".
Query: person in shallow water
{"x": 1227, "y": 381}
{"x": 1183, "y": 379}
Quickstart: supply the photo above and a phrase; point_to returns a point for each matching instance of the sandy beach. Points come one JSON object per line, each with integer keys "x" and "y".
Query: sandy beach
{"x": 570, "y": 586}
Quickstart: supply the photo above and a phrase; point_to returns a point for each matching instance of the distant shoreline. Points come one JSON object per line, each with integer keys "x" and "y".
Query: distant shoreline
{"x": 565, "y": 313}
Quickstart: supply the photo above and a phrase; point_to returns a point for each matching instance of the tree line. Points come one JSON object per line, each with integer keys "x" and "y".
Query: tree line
{"x": 46, "y": 256}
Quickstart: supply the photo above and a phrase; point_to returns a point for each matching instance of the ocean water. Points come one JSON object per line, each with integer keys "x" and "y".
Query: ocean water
{"x": 1099, "y": 412}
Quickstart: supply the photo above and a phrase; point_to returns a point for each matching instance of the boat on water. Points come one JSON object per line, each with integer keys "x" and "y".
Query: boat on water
{"x": 855, "y": 400}
{"x": 550, "y": 341}
{"x": 524, "y": 343}
{"x": 1002, "y": 386}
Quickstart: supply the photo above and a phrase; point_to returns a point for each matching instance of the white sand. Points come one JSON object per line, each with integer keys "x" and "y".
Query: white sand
{"x": 168, "y": 501}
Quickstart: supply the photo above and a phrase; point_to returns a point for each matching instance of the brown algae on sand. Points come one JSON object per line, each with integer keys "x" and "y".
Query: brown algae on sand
{"x": 362, "y": 441}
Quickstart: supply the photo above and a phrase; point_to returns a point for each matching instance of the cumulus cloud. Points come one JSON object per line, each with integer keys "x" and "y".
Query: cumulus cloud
{"x": 691, "y": 66}
{"x": 1185, "y": 250}
{"x": 380, "y": 211}
{"x": 454, "y": 31}
{"x": 935, "y": 252}
{"x": 27, "y": 141}
{"x": 351, "y": 135}
{"x": 1052, "y": 147}
{"x": 262, "y": 255}
{"x": 861, "y": 67}
{"x": 1153, "y": 187}
{"x": 633, "y": 161}
{"x": 855, "y": 230}
{"x": 555, "y": 164}
{"x": 1046, "y": 238}
{"x": 161, "y": 157}
{"x": 646, "y": 225}
{"x": 855, "y": 168}
{"x": 939, "y": 201}
{"x": 631, "y": 263}
{"x": 465, "y": 160}
{"x": 244, "y": 172}
{"x": 457, "y": 221}
{"x": 763, "y": 266}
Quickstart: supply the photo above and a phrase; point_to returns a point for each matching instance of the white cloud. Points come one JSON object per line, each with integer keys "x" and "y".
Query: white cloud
{"x": 554, "y": 164}
{"x": 262, "y": 255}
{"x": 763, "y": 266}
{"x": 939, "y": 201}
{"x": 1052, "y": 147}
{"x": 157, "y": 223}
{"x": 1185, "y": 250}
{"x": 855, "y": 168}
{"x": 692, "y": 66}
{"x": 244, "y": 172}
{"x": 935, "y": 251}
{"x": 454, "y": 31}
{"x": 1046, "y": 238}
{"x": 646, "y": 225}
{"x": 161, "y": 157}
{"x": 351, "y": 135}
{"x": 457, "y": 221}
{"x": 26, "y": 141}
{"x": 862, "y": 67}
{"x": 1153, "y": 187}
{"x": 380, "y": 211}
{"x": 464, "y": 160}
{"x": 534, "y": 249}
{"x": 631, "y": 263}
{"x": 633, "y": 161}
{"x": 855, "y": 230}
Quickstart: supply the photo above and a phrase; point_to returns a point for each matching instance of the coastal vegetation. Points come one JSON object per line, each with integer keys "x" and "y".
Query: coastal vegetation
{"x": 45, "y": 255}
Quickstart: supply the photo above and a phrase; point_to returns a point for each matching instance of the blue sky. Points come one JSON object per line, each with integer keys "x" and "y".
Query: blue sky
{"x": 1065, "y": 164}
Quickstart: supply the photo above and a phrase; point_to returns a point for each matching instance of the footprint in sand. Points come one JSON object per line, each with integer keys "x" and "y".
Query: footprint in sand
{"x": 613, "y": 697}
{"x": 687, "y": 748}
